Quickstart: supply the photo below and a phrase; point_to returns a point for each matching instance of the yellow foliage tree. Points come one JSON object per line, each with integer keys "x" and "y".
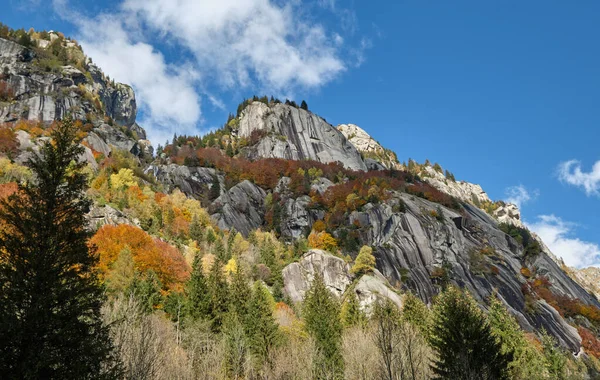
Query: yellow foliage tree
{"x": 124, "y": 178}
{"x": 365, "y": 261}
{"x": 322, "y": 240}
{"x": 231, "y": 266}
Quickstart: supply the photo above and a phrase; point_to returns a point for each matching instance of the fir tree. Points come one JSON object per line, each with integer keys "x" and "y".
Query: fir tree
{"x": 196, "y": 229}
{"x": 50, "y": 296}
{"x": 321, "y": 315}
{"x": 239, "y": 294}
{"x": 263, "y": 333}
{"x": 304, "y": 106}
{"x": 229, "y": 150}
{"x": 219, "y": 293}
{"x": 556, "y": 360}
{"x": 463, "y": 339}
{"x": 215, "y": 189}
{"x": 351, "y": 314}
{"x": 198, "y": 299}
{"x": 146, "y": 288}
{"x": 416, "y": 313}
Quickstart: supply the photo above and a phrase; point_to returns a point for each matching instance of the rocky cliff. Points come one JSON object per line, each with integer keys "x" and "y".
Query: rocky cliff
{"x": 372, "y": 151}
{"x": 291, "y": 133}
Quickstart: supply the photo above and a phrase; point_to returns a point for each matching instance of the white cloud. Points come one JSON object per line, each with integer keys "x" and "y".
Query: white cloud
{"x": 519, "y": 195}
{"x": 230, "y": 44}
{"x": 246, "y": 43}
{"x": 571, "y": 173}
{"x": 557, "y": 234}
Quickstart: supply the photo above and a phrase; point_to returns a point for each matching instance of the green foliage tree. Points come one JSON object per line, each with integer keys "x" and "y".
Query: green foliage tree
{"x": 215, "y": 189}
{"x": 463, "y": 339}
{"x": 321, "y": 315}
{"x": 197, "y": 297}
{"x": 236, "y": 346}
{"x": 122, "y": 274}
{"x": 196, "y": 229}
{"x": 219, "y": 294}
{"x": 50, "y": 296}
{"x": 351, "y": 314}
{"x": 263, "y": 333}
{"x": 239, "y": 294}
{"x": 365, "y": 261}
{"x": 304, "y": 106}
{"x": 146, "y": 288}
{"x": 229, "y": 150}
{"x": 556, "y": 360}
{"x": 415, "y": 312}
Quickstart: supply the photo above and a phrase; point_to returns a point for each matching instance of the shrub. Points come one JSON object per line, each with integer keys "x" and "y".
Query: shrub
{"x": 6, "y": 93}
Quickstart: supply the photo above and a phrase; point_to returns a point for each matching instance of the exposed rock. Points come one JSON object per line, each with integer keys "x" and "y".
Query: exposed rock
{"x": 193, "y": 181}
{"x": 114, "y": 137}
{"x": 320, "y": 185}
{"x": 296, "y": 134}
{"x": 370, "y": 148}
{"x": 98, "y": 144}
{"x": 101, "y": 215}
{"x": 509, "y": 213}
{"x": 375, "y": 288}
{"x": 297, "y": 277}
{"x": 297, "y": 219}
{"x": 242, "y": 207}
{"x": 589, "y": 278}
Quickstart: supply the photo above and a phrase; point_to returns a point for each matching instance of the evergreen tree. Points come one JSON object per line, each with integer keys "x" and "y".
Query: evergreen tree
{"x": 229, "y": 150}
{"x": 236, "y": 346}
{"x": 527, "y": 362}
{"x": 415, "y": 312}
{"x": 321, "y": 315}
{"x": 198, "y": 299}
{"x": 556, "y": 360}
{"x": 215, "y": 189}
{"x": 50, "y": 296}
{"x": 239, "y": 294}
{"x": 263, "y": 333}
{"x": 351, "y": 314}
{"x": 219, "y": 293}
{"x": 304, "y": 106}
{"x": 146, "y": 288}
{"x": 196, "y": 229}
{"x": 462, "y": 336}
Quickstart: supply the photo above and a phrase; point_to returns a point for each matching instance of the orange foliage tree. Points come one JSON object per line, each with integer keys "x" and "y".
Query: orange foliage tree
{"x": 322, "y": 240}
{"x": 148, "y": 253}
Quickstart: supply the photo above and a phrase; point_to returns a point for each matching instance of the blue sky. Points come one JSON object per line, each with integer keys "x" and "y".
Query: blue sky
{"x": 502, "y": 93}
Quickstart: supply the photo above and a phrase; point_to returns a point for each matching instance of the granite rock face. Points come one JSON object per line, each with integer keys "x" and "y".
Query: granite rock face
{"x": 295, "y": 134}
{"x": 370, "y": 148}
{"x": 298, "y": 277}
{"x": 48, "y": 96}
{"x": 242, "y": 207}
{"x": 193, "y": 181}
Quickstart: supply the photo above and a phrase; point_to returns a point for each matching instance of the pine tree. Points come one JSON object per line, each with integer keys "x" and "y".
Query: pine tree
{"x": 147, "y": 289}
{"x": 304, "y": 106}
{"x": 527, "y": 362}
{"x": 215, "y": 189}
{"x": 239, "y": 294}
{"x": 351, "y": 314}
{"x": 462, "y": 336}
{"x": 196, "y": 229}
{"x": 229, "y": 150}
{"x": 556, "y": 360}
{"x": 321, "y": 315}
{"x": 50, "y": 296}
{"x": 415, "y": 312}
{"x": 198, "y": 298}
{"x": 219, "y": 293}
{"x": 263, "y": 333}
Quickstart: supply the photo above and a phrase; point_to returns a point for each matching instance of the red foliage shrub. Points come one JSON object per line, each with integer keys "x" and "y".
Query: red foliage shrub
{"x": 590, "y": 342}
{"x": 6, "y": 93}
{"x": 8, "y": 142}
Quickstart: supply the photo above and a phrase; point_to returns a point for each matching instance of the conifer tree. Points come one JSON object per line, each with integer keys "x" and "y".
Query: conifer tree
{"x": 196, "y": 229}
{"x": 239, "y": 294}
{"x": 304, "y": 106}
{"x": 219, "y": 293}
{"x": 198, "y": 299}
{"x": 215, "y": 189}
{"x": 527, "y": 362}
{"x": 50, "y": 296}
{"x": 462, "y": 336}
{"x": 263, "y": 332}
{"x": 351, "y": 314}
{"x": 415, "y": 312}
{"x": 321, "y": 315}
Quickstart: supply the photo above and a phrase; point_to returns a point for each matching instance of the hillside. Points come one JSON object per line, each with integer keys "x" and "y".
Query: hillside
{"x": 286, "y": 196}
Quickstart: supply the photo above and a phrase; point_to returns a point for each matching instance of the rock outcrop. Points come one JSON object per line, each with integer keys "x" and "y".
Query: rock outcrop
{"x": 295, "y": 134}
{"x": 242, "y": 207}
{"x": 370, "y": 148}
{"x": 298, "y": 277}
